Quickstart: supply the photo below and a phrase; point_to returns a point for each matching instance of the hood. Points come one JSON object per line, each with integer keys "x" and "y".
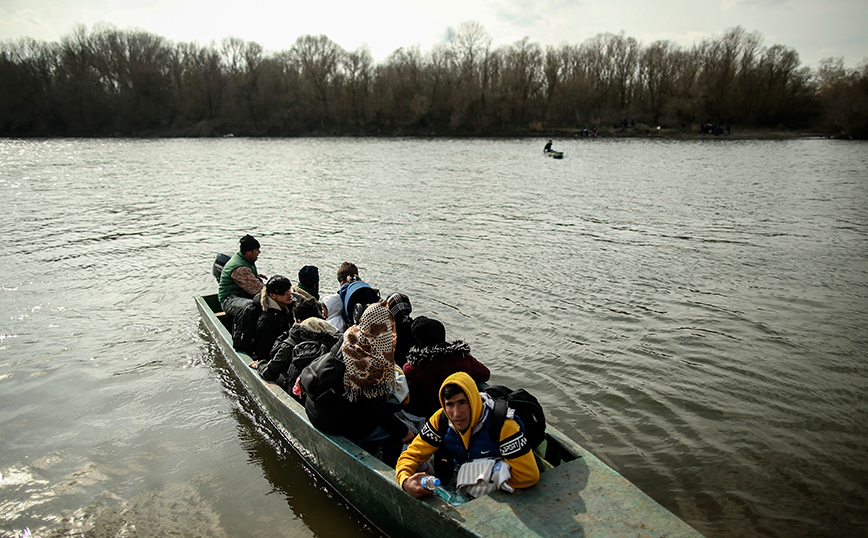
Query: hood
{"x": 302, "y": 293}
{"x": 333, "y": 305}
{"x": 302, "y": 332}
{"x": 369, "y": 354}
{"x": 468, "y": 385}
{"x": 269, "y": 304}
{"x": 418, "y": 355}
{"x": 318, "y": 325}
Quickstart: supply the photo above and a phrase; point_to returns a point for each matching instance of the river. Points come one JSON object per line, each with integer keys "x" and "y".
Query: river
{"x": 695, "y": 313}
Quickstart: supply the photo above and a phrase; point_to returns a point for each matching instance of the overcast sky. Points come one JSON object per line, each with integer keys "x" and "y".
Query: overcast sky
{"x": 816, "y": 29}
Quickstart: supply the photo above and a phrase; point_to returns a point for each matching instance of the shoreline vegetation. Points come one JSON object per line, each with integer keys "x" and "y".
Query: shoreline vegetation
{"x": 558, "y": 135}
{"x": 108, "y": 82}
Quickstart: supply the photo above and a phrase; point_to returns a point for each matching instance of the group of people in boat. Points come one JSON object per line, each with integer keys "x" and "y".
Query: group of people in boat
{"x": 365, "y": 368}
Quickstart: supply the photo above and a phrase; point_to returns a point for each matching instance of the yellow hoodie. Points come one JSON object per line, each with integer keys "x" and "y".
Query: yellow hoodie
{"x": 524, "y": 470}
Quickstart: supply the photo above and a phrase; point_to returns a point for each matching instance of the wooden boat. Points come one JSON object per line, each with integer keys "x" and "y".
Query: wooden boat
{"x": 577, "y": 494}
{"x": 554, "y": 154}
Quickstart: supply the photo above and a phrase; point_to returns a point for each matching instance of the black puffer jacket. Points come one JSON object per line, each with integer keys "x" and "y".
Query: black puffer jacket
{"x": 281, "y": 351}
{"x": 272, "y": 322}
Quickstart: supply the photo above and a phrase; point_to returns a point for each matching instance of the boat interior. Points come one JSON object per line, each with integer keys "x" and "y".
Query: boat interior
{"x": 549, "y": 453}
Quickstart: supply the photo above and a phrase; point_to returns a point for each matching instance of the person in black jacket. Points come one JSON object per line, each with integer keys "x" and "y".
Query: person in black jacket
{"x": 360, "y": 411}
{"x": 275, "y": 318}
{"x": 308, "y": 327}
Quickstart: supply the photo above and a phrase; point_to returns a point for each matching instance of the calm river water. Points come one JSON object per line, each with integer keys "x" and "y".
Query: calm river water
{"x": 695, "y": 313}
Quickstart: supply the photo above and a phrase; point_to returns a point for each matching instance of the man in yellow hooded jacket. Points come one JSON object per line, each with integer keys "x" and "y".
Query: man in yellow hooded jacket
{"x": 468, "y": 414}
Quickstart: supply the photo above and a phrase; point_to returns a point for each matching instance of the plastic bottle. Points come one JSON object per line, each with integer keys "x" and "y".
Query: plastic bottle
{"x": 430, "y": 482}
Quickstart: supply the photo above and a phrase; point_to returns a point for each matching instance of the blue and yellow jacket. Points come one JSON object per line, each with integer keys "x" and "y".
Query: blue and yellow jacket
{"x": 471, "y": 444}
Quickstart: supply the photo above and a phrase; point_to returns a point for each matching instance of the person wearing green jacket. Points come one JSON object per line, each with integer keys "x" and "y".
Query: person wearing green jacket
{"x": 240, "y": 280}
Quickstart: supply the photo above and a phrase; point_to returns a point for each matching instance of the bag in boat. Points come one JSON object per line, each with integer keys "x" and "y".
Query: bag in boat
{"x": 482, "y": 476}
{"x": 244, "y": 328}
{"x": 356, "y": 298}
{"x": 323, "y": 379}
{"x": 304, "y": 354}
{"x": 527, "y": 409}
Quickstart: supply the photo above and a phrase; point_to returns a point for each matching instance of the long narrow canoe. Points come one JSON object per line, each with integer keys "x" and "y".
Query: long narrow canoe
{"x": 577, "y": 495}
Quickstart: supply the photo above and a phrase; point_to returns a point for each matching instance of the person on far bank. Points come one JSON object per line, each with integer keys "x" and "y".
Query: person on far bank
{"x": 548, "y": 147}
{"x": 240, "y": 280}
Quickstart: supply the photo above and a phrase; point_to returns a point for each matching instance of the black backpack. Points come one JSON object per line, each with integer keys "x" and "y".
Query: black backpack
{"x": 303, "y": 354}
{"x": 526, "y": 407}
{"x": 244, "y": 328}
{"x": 323, "y": 380}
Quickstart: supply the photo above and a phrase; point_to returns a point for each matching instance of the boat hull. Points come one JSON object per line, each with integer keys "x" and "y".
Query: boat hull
{"x": 580, "y": 496}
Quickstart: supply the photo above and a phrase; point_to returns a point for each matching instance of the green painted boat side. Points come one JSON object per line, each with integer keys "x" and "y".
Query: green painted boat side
{"x": 579, "y": 497}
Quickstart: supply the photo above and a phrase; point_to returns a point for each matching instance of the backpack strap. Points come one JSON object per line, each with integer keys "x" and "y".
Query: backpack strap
{"x": 443, "y": 425}
{"x": 498, "y": 417}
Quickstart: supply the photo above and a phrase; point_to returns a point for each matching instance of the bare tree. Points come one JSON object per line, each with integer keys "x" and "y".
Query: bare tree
{"x": 319, "y": 58}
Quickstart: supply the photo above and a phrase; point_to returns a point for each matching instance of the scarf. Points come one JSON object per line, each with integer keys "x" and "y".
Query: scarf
{"x": 369, "y": 354}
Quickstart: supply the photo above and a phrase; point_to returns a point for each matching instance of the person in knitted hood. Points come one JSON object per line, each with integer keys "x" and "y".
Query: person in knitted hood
{"x": 433, "y": 360}
{"x": 369, "y": 354}
{"x": 361, "y": 413}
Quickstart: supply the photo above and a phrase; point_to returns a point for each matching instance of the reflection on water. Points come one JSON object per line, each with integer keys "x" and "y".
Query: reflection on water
{"x": 693, "y": 313}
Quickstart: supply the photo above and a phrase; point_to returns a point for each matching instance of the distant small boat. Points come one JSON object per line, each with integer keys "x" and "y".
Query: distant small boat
{"x": 554, "y": 154}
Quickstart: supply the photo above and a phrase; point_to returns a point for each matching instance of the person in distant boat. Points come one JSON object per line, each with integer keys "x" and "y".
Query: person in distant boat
{"x": 276, "y": 316}
{"x": 461, "y": 426}
{"x": 432, "y": 361}
{"x": 548, "y": 147}
{"x": 357, "y": 407}
{"x": 400, "y": 307}
{"x": 240, "y": 280}
{"x": 308, "y": 284}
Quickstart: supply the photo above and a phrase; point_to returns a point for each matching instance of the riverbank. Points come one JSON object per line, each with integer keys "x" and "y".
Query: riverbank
{"x": 687, "y": 132}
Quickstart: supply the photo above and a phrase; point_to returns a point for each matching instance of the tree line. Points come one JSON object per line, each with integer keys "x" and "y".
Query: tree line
{"x": 111, "y": 82}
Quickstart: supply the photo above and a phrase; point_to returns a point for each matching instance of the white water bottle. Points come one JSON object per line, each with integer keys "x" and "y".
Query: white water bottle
{"x": 430, "y": 482}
